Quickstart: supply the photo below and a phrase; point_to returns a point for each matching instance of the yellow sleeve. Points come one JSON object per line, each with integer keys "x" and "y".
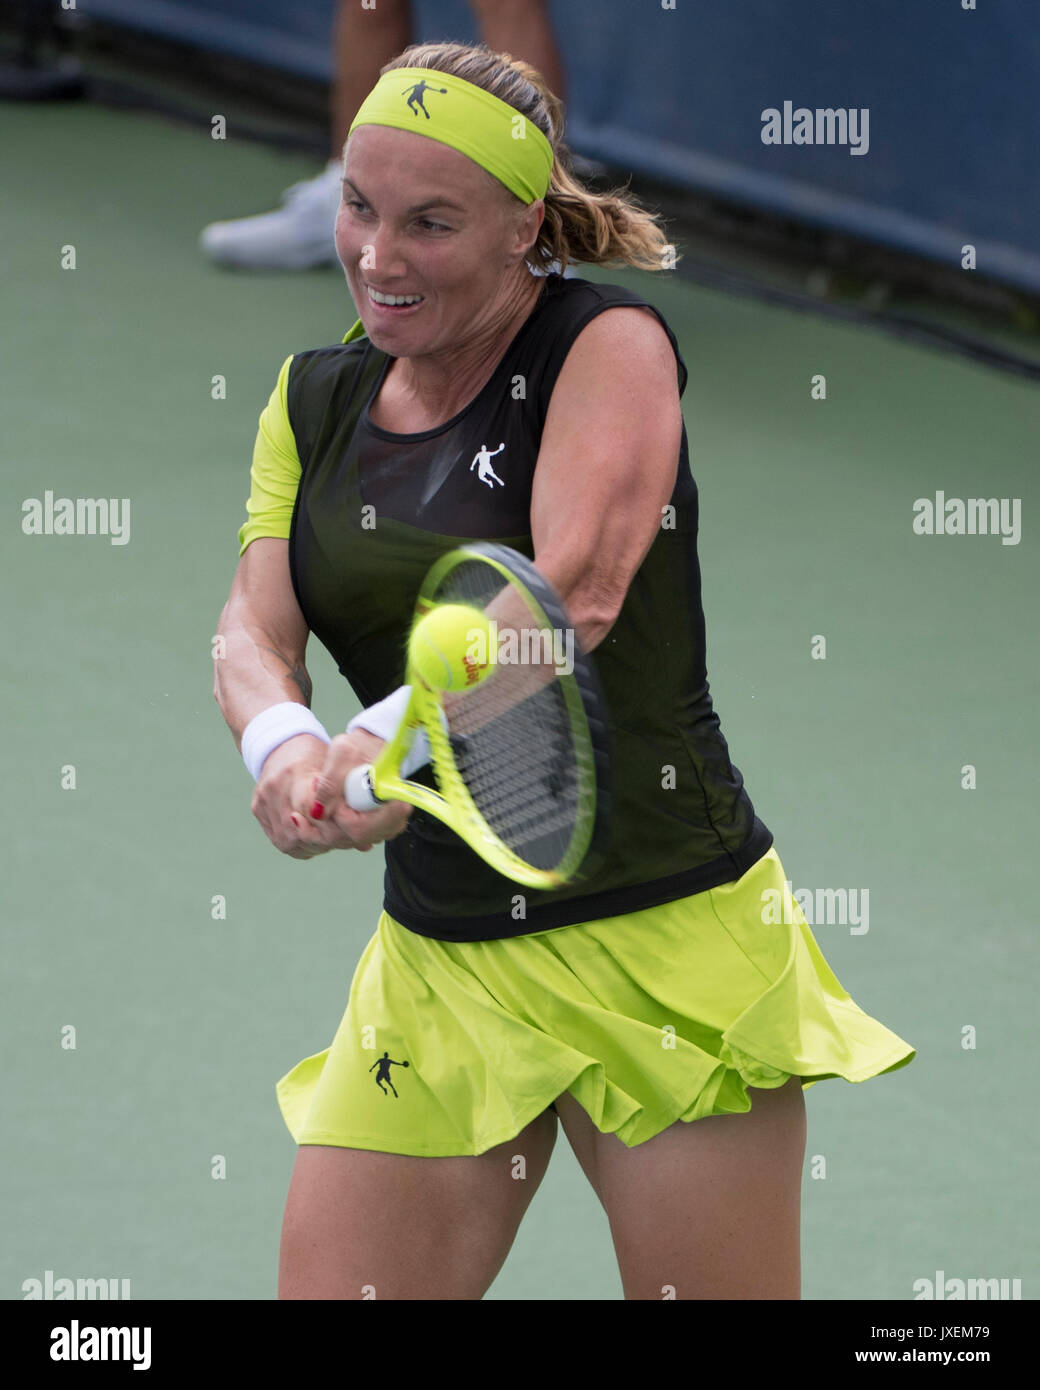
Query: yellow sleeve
{"x": 275, "y": 474}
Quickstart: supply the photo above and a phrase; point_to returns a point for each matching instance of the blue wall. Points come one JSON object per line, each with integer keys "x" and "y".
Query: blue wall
{"x": 953, "y": 98}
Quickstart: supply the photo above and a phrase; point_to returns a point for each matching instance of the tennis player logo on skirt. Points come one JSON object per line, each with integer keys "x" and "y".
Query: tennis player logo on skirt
{"x": 384, "y": 1064}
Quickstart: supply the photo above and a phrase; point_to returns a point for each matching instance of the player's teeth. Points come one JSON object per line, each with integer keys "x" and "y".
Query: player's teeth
{"x": 393, "y": 298}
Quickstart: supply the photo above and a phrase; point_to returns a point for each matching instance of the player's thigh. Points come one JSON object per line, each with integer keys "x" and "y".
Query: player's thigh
{"x": 360, "y": 1224}
{"x": 709, "y": 1208}
{"x": 583, "y": 1137}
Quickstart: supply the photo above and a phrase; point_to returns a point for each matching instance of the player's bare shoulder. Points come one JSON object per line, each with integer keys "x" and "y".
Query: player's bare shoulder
{"x": 622, "y": 359}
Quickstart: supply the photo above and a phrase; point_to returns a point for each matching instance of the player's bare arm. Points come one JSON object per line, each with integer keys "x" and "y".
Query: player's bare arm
{"x": 264, "y": 648}
{"x": 607, "y": 465}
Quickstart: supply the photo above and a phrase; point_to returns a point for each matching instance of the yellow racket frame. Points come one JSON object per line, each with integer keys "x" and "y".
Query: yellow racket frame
{"x": 453, "y": 804}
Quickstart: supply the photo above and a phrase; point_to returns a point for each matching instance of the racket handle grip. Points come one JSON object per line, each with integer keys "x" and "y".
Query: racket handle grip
{"x": 359, "y": 791}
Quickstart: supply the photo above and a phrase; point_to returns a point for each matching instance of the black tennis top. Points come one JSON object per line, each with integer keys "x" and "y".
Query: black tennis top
{"x": 372, "y": 513}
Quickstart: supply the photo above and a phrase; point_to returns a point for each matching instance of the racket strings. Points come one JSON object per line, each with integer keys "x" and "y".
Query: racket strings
{"x": 512, "y": 737}
{"x": 514, "y": 757}
{"x": 522, "y": 782}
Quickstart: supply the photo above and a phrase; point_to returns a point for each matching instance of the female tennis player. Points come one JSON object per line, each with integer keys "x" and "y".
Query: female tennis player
{"x": 654, "y": 1009}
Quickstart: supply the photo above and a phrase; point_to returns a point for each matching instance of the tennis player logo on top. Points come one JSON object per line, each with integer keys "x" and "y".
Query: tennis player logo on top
{"x": 482, "y": 462}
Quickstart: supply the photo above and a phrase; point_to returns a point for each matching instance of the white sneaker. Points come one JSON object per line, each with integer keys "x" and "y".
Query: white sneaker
{"x": 299, "y": 235}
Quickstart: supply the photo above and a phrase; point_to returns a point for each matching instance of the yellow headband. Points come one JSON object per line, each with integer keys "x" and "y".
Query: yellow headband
{"x": 457, "y": 113}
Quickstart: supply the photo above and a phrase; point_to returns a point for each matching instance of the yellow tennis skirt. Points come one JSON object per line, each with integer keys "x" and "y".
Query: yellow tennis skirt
{"x": 666, "y": 1014}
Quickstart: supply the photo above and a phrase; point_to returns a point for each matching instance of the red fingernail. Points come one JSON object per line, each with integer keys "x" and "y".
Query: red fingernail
{"x": 317, "y": 811}
{"x": 296, "y": 820}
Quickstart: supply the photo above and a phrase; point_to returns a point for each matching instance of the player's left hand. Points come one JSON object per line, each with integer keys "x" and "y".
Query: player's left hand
{"x": 328, "y": 816}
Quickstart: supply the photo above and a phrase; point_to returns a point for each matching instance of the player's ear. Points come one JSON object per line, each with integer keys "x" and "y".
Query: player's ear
{"x": 528, "y": 225}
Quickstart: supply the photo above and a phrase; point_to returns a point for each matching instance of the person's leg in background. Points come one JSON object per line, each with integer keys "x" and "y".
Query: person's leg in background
{"x": 523, "y": 29}
{"x": 363, "y": 40}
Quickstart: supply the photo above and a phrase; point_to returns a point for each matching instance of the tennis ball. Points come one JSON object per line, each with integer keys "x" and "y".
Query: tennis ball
{"x": 451, "y": 647}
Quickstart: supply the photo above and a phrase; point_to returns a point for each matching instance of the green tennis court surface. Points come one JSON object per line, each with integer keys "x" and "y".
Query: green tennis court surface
{"x": 145, "y": 909}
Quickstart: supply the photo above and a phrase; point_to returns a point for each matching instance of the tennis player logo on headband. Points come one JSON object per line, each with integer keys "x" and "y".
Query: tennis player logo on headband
{"x": 415, "y": 100}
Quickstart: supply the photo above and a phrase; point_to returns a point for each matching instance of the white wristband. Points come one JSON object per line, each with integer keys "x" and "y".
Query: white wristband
{"x": 273, "y": 727}
{"x": 384, "y": 719}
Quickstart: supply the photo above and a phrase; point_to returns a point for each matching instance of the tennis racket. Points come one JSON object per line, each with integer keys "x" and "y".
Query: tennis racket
{"x": 520, "y": 752}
